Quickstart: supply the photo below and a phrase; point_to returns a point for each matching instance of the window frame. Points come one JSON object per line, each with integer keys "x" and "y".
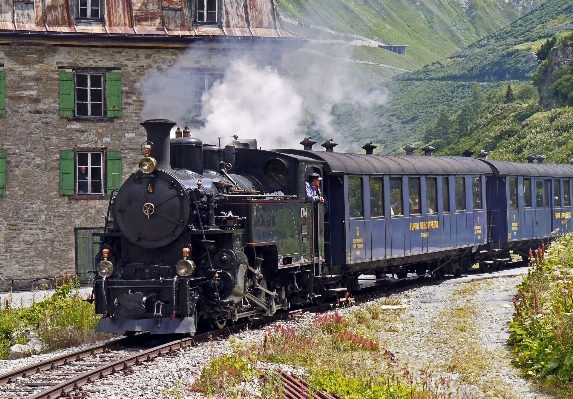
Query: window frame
{"x": 91, "y": 91}
{"x": 355, "y": 197}
{"x": 111, "y": 93}
{"x": 110, "y": 172}
{"x": 477, "y": 193}
{"x": 446, "y": 208}
{"x": 91, "y": 176}
{"x": 431, "y": 195}
{"x": 203, "y": 7}
{"x": 396, "y": 197}
{"x": 513, "y": 192}
{"x": 414, "y": 195}
{"x": 90, "y": 6}
{"x": 376, "y": 197}
{"x": 460, "y": 196}
{"x": 527, "y": 193}
{"x": 208, "y": 78}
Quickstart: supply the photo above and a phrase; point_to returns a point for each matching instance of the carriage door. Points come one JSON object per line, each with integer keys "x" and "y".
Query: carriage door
{"x": 357, "y": 233}
{"x": 543, "y": 208}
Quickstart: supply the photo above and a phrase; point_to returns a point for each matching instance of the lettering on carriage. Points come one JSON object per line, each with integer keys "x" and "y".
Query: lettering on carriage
{"x": 432, "y": 224}
{"x": 562, "y": 215}
{"x": 477, "y": 229}
{"x": 358, "y": 243}
{"x": 425, "y": 234}
{"x": 514, "y": 226}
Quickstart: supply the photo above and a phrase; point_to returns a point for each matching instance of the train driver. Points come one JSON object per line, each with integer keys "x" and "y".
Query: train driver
{"x": 313, "y": 188}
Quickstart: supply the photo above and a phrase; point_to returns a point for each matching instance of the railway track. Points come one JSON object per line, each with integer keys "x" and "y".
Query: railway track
{"x": 64, "y": 375}
{"x": 60, "y": 376}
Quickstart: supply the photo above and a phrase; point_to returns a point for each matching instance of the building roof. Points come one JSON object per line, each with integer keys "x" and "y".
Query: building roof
{"x": 140, "y": 20}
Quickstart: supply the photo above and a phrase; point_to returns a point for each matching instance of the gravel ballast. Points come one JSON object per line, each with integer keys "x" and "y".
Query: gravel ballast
{"x": 456, "y": 330}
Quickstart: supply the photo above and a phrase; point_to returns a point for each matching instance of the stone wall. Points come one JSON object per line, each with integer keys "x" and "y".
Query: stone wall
{"x": 36, "y": 222}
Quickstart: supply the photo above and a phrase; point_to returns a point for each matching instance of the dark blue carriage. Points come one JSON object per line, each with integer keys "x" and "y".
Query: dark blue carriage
{"x": 528, "y": 204}
{"x": 402, "y": 214}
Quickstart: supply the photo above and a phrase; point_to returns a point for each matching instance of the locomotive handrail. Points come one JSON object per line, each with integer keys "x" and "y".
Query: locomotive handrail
{"x": 259, "y": 196}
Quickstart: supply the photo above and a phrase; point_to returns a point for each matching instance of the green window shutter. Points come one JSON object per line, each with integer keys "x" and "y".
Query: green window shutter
{"x": 114, "y": 169}
{"x": 67, "y": 180}
{"x": 113, "y": 94}
{"x": 2, "y": 93}
{"x": 66, "y": 94}
{"x": 2, "y": 172}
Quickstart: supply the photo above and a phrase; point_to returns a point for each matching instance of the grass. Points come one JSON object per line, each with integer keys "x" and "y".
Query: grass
{"x": 339, "y": 353}
{"x": 62, "y": 320}
{"x": 542, "y": 326}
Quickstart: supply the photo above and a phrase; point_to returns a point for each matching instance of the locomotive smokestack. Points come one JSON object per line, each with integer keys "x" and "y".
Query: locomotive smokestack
{"x": 158, "y": 131}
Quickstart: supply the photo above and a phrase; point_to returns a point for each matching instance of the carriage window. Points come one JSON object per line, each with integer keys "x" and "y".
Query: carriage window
{"x": 414, "y": 199}
{"x": 513, "y": 192}
{"x": 566, "y": 192}
{"x": 476, "y": 192}
{"x": 376, "y": 197}
{"x": 541, "y": 193}
{"x": 396, "y": 195}
{"x": 446, "y": 194}
{"x": 460, "y": 194}
{"x": 355, "y": 196}
{"x": 527, "y": 193}
{"x": 431, "y": 194}
{"x": 556, "y": 193}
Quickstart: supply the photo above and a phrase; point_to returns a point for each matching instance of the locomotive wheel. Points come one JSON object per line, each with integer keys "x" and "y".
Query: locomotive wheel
{"x": 219, "y": 324}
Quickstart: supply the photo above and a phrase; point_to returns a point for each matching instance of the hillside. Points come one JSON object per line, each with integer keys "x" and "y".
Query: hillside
{"x": 449, "y": 48}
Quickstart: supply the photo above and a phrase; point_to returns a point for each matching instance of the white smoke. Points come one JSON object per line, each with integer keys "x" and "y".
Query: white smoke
{"x": 255, "y": 102}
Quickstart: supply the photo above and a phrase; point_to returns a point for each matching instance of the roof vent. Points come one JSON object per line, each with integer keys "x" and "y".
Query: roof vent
{"x": 540, "y": 158}
{"x": 308, "y": 142}
{"x": 530, "y": 158}
{"x": 409, "y": 148}
{"x": 178, "y": 133}
{"x": 468, "y": 153}
{"x": 483, "y": 154}
{"x": 428, "y": 149}
{"x": 186, "y": 132}
{"x": 329, "y": 145}
{"x": 369, "y": 148}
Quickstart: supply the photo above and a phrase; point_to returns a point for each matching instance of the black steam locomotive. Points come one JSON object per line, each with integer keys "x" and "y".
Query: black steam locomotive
{"x": 204, "y": 234}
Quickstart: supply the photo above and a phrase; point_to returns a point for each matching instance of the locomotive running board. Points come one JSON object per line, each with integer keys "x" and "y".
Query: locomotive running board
{"x": 163, "y": 325}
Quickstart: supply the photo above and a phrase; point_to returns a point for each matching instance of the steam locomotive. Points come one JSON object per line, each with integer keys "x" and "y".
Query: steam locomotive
{"x": 204, "y": 234}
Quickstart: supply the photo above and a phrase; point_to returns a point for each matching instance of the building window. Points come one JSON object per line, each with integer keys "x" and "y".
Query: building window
{"x": 206, "y": 11}
{"x": 89, "y": 9}
{"x": 202, "y": 83}
{"x": 90, "y": 94}
{"x": 88, "y": 172}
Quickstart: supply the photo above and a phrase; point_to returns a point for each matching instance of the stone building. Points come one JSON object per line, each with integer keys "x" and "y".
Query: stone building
{"x": 71, "y": 106}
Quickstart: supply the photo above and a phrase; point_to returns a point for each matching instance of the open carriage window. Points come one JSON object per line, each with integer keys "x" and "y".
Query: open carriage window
{"x": 376, "y": 197}
{"x": 396, "y": 196}
{"x": 355, "y": 197}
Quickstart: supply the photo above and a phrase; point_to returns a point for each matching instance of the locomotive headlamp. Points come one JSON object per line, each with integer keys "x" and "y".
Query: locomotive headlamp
{"x": 147, "y": 164}
{"x": 185, "y": 267}
{"x": 105, "y": 268}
